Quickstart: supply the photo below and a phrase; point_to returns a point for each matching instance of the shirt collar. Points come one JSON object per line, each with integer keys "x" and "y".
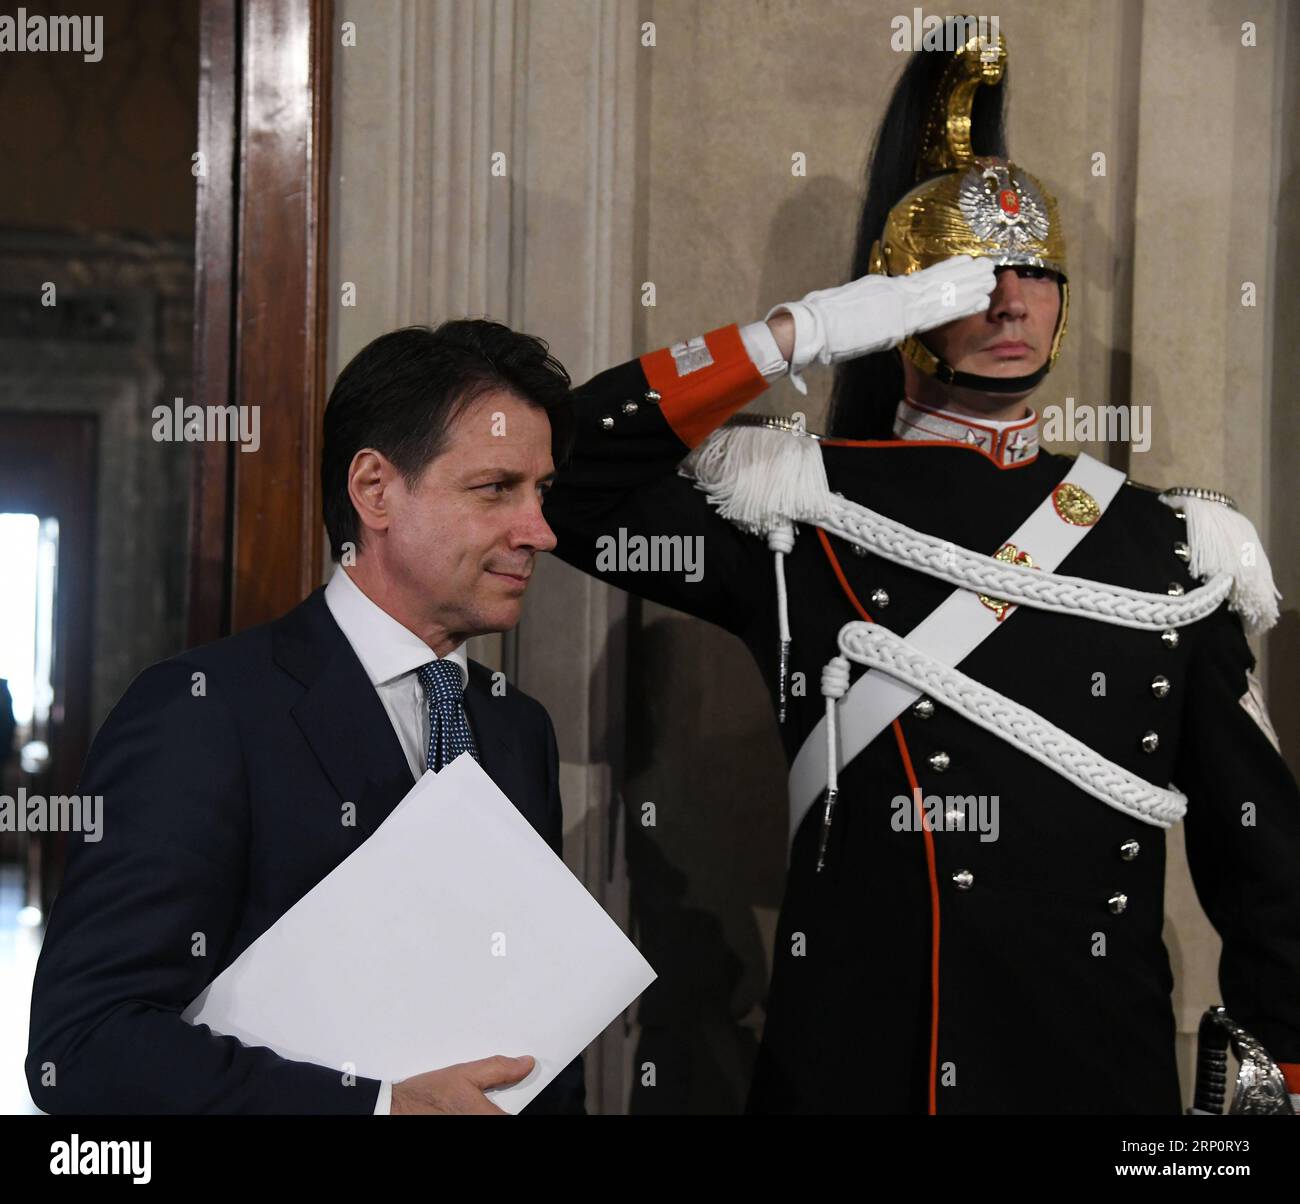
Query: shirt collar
{"x": 385, "y": 648}
{"x": 1011, "y": 441}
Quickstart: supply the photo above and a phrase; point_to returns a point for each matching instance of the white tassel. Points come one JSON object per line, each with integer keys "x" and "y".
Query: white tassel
{"x": 781, "y": 541}
{"x": 835, "y": 684}
{"x": 1223, "y": 540}
{"x": 760, "y": 478}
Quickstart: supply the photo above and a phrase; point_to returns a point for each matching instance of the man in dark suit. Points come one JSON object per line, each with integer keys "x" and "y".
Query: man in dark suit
{"x": 236, "y": 776}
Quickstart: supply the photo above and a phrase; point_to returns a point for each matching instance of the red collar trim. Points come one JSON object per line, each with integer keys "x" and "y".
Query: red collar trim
{"x": 1008, "y": 444}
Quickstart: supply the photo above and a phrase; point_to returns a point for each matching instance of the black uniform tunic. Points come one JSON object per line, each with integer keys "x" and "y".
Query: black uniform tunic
{"x": 1046, "y": 999}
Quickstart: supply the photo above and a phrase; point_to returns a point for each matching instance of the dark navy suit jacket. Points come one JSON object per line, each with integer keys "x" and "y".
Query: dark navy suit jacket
{"x": 224, "y": 774}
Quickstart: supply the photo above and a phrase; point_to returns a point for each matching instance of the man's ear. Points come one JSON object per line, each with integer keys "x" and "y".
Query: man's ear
{"x": 370, "y": 478}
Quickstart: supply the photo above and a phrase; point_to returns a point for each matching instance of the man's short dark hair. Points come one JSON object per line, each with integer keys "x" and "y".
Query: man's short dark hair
{"x": 400, "y": 394}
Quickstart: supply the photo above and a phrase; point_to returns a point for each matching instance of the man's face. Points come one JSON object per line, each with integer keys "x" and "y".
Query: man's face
{"x": 465, "y": 538}
{"x": 1013, "y": 337}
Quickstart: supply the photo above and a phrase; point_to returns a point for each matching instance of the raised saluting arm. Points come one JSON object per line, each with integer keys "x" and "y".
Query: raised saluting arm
{"x": 620, "y": 490}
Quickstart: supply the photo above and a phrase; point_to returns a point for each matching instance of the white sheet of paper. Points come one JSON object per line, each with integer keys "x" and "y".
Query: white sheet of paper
{"x": 452, "y": 933}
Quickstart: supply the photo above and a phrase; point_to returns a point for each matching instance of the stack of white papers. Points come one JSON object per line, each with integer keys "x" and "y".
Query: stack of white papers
{"x": 452, "y": 933}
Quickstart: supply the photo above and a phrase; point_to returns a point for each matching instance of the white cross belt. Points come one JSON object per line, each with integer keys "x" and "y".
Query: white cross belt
{"x": 962, "y": 622}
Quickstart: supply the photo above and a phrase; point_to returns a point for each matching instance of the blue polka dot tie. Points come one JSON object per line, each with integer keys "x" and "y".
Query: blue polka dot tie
{"x": 449, "y": 733}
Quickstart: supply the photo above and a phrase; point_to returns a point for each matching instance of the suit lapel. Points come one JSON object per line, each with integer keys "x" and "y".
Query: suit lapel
{"x": 494, "y": 737}
{"x": 339, "y": 713}
{"x": 342, "y": 719}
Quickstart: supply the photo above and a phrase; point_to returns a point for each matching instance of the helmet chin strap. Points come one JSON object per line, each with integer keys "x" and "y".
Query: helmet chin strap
{"x": 946, "y": 374}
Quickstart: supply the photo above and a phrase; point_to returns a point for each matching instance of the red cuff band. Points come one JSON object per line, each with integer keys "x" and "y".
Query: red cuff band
{"x": 697, "y": 403}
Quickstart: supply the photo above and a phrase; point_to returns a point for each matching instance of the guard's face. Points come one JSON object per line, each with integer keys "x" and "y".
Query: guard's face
{"x": 467, "y": 535}
{"x": 1013, "y": 337}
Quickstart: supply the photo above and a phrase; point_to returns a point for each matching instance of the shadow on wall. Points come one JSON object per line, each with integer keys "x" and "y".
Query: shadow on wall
{"x": 707, "y": 875}
{"x": 705, "y": 812}
{"x": 809, "y": 247}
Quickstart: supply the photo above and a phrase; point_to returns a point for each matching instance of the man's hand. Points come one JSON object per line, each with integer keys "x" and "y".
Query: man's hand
{"x": 875, "y": 312}
{"x": 458, "y": 1090}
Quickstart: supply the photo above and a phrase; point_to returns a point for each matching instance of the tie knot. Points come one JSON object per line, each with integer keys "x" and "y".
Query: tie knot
{"x": 441, "y": 680}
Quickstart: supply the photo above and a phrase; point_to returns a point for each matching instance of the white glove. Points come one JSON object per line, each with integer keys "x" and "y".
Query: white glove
{"x": 875, "y": 312}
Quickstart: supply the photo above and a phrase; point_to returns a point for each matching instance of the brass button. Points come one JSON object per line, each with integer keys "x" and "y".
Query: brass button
{"x": 1129, "y": 850}
{"x": 923, "y": 709}
{"x": 939, "y": 761}
{"x": 1117, "y": 902}
{"x": 879, "y": 598}
{"x": 859, "y": 550}
{"x": 607, "y": 423}
{"x": 1160, "y": 685}
{"x": 1150, "y": 742}
{"x": 1182, "y": 551}
{"x": 1170, "y": 638}
{"x": 652, "y": 397}
{"x": 630, "y": 407}
{"x": 1182, "y": 514}
{"x": 963, "y": 879}
{"x": 1175, "y": 590}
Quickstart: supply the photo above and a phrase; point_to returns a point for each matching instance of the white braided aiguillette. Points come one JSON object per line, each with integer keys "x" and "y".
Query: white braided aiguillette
{"x": 877, "y": 647}
{"x": 1023, "y": 586}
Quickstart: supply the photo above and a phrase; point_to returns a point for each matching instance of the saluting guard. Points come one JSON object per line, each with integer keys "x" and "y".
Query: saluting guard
{"x": 989, "y": 629}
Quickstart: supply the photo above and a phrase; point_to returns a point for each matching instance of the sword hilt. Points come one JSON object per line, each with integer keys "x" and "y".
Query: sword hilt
{"x": 1211, "y": 1063}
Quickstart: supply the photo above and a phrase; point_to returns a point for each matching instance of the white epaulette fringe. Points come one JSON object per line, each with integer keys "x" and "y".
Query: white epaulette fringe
{"x": 761, "y": 477}
{"x": 1223, "y": 540}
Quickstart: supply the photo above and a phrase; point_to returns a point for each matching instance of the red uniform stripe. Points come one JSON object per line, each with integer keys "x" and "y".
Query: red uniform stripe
{"x": 887, "y": 443}
{"x": 696, "y": 404}
{"x": 927, "y": 834}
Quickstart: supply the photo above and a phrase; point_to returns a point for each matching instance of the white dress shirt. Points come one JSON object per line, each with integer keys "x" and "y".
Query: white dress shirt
{"x": 390, "y": 654}
{"x": 764, "y": 351}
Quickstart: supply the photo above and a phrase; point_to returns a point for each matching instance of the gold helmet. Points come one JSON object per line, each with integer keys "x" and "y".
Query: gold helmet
{"x": 982, "y": 206}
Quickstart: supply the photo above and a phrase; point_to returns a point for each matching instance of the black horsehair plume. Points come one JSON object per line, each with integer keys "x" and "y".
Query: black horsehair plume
{"x": 867, "y": 390}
